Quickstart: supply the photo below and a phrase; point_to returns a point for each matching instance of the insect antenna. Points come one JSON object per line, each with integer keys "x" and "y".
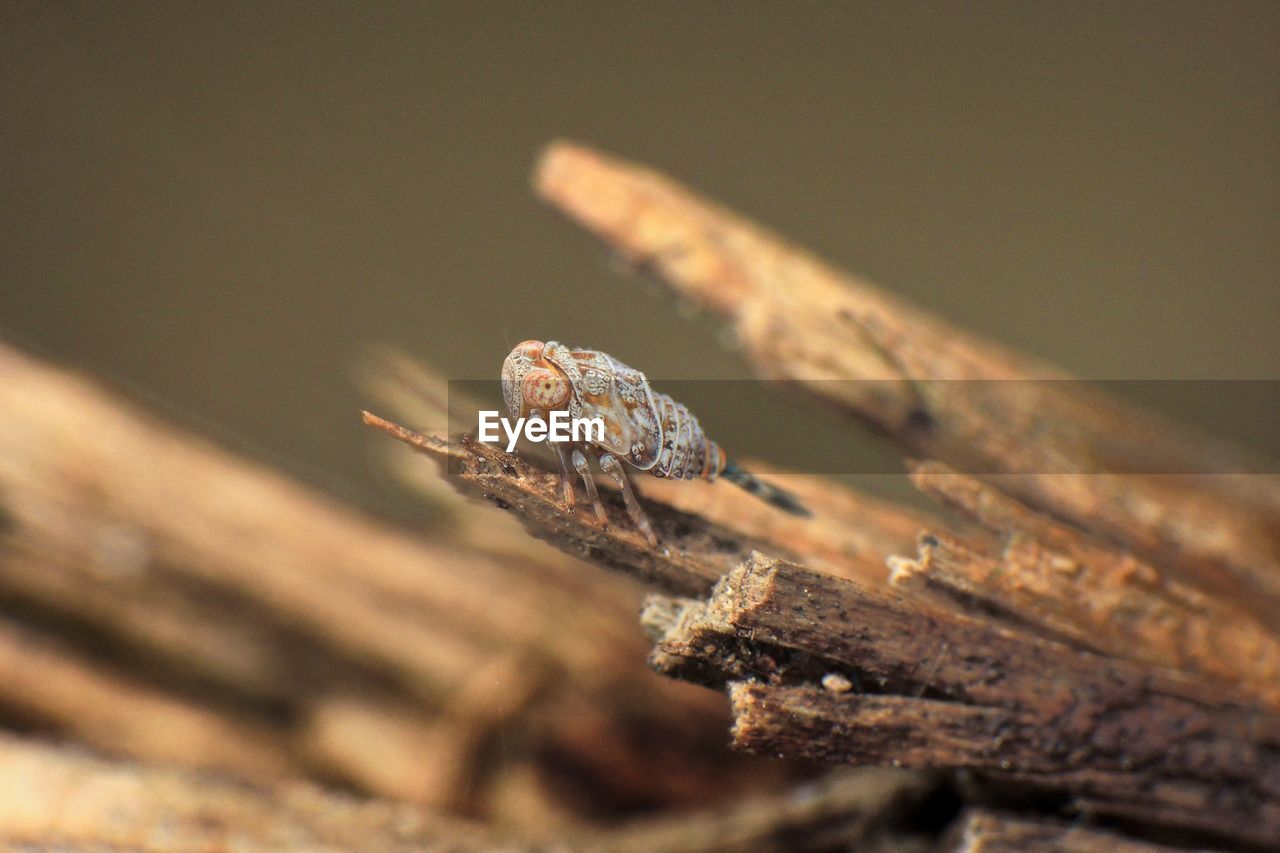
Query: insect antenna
{"x": 766, "y": 492}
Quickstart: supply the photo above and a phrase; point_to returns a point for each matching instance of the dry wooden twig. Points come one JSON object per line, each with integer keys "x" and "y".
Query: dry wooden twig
{"x": 849, "y": 534}
{"x": 693, "y": 555}
{"x": 944, "y": 394}
{"x": 1073, "y": 586}
{"x": 800, "y": 649}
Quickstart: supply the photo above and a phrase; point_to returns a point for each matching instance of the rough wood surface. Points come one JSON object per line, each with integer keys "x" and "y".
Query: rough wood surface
{"x": 1062, "y": 447}
{"x": 800, "y": 650}
{"x": 850, "y": 534}
{"x": 108, "y": 707}
{"x": 693, "y": 553}
{"x": 1076, "y": 587}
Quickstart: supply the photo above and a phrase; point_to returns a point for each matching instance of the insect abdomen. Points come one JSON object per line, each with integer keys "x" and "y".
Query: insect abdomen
{"x": 686, "y": 452}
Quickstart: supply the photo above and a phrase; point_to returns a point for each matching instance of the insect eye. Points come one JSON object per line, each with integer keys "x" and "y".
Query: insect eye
{"x": 545, "y": 390}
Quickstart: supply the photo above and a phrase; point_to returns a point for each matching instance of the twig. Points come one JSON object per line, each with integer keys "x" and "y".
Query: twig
{"x": 951, "y": 691}
{"x": 849, "y": 534}
{"x": 797, "y": 648}
{"x": 1076, "y": 587}
{"x": 693, "y": 553}
{"x": 1064, "y": 448}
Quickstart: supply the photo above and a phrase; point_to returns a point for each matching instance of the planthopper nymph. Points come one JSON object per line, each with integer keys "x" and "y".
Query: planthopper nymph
{"x": 642, "y": 428}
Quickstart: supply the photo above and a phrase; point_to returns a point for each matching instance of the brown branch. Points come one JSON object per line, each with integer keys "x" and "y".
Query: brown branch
{"x": 704, "y": 529}
{"x": 1065, "y": 448}
{"x": 692, "y": 555}
{"x": 1074, "y": 586}
{"x": 952, "y": 691}
{"x": 849, "y": 534}
{"x": 814, "y": 723}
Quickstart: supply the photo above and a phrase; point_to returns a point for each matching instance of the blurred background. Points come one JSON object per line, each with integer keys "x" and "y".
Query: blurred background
{"x": 220, "y": 206}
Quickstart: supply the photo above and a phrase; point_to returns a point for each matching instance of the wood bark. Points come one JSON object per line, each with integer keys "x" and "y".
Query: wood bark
{"x": 1090, "y": 593}
{"x": 945, "y": 394}
{"x": 965, "y": 694}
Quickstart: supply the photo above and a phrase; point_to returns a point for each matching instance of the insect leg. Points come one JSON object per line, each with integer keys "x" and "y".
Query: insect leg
{"x": 580, "y": 463}
{"x": 613, "y": 467}
{"x": 566, "y": 478}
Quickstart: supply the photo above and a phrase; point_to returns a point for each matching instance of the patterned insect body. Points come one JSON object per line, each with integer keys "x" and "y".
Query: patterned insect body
{"x": 647, "y": 430}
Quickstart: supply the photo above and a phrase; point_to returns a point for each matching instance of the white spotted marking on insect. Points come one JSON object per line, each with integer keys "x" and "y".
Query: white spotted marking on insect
{"x": 644, "y": 429}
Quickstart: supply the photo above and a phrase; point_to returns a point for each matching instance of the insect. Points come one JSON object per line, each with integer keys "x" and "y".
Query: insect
{"x": 642, "y": 428}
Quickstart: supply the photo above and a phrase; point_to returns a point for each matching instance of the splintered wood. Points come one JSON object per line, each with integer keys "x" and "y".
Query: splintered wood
{"x": 943, "y": 689}
{"x": 1088, "y": 593}
{"x": 943, "y": 393}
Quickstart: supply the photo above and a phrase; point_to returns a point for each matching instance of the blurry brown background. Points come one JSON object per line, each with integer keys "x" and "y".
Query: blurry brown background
{"x": 220, "y": 205}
